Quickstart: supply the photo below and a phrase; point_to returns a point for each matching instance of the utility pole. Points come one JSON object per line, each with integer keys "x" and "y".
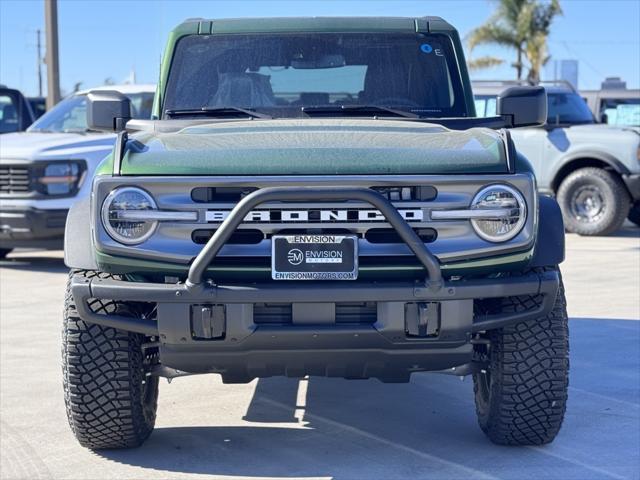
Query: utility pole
{"x": 51, "y": 30}
{"x": 39, "y": 65}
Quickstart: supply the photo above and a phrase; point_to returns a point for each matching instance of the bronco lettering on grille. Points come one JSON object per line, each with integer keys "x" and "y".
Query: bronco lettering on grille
{"x": 315, "y": 215}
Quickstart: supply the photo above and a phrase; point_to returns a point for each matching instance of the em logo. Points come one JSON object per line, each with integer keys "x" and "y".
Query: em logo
{"x": 295, "y": 256}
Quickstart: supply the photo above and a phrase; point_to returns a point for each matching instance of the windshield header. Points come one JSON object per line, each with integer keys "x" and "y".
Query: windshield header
{"x": 281, "y": 74}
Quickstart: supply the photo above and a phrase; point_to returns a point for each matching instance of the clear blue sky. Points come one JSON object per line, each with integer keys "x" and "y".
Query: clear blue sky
{"x": 107, "y": 39}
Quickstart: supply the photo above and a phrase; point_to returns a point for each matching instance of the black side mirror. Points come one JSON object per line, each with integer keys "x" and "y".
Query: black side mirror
{"x": 523, "y": 106}
{"x": 604, "y": 118}
{"x": 107, "y": 111}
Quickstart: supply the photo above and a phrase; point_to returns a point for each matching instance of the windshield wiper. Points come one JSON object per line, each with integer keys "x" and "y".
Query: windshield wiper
{"x": 360, "y": 109}
{"x": 216, "y": 112}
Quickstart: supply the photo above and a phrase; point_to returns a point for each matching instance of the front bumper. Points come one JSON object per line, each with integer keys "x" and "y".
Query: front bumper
{"x": 241, "y": 349}
{"x": 31, "y": 227}
{"x": 633, "y": 185}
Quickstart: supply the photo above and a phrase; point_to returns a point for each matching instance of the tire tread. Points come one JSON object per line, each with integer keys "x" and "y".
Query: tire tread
{"x": 529, "y": 366}
{"x": 102, "y": 373}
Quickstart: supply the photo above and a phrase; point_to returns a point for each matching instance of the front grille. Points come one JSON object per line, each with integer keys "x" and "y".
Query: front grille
{"x": 15, "y": 179}
{"x": 381, "y": 252}
{"x": 354, "y": 313}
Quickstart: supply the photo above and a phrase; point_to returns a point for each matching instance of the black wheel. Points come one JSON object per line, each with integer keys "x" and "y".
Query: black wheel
{"x": 521, "y": 396}
{"x": 593, "y": 201}
{"x": 110, "y": 401}
{"x": 634, "y": 214}
{"x": 4, "y": 252}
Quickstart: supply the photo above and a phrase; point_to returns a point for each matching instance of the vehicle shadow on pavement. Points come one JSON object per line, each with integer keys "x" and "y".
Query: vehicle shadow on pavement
{"x": 342, "y": 429}
{"x": 35, "y": 264}
{"x": 349, "y": 429}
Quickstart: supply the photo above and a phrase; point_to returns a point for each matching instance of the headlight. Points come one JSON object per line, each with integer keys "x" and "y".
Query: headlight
{"x": 506, "y": 213}
{"x": 60, "y": 178}
{"x": 119, "y": 215}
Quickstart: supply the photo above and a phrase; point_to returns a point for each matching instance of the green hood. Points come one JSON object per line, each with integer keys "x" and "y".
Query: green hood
{"x": 315, "y": 147}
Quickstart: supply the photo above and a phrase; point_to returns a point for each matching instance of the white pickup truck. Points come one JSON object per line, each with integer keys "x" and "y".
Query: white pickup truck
{"x": 44, "y": 170}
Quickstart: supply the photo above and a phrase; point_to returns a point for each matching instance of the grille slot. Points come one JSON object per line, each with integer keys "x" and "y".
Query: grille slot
{"x": 389, "y": 235}
{"x": 422, "y": 192}
{"x": 15, "y": 179}
{"x": 272, "y": 313}
{"x": 356, "y": 313}
{"x": 360, "y": 313}
{"x": 219, "y": 194}
{"x": 235, "y": 194}
{"x": 239, "y": 237}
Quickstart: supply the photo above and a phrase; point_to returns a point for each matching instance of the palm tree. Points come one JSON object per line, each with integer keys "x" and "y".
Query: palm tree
{"x": 522, "y": 25}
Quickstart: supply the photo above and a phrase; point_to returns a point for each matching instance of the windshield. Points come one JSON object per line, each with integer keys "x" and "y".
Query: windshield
{"x": 279, "y": 74}
{"x": 567, "y": 107}
{"x": 622, "y": 111}
{"x": 70, "y": 115}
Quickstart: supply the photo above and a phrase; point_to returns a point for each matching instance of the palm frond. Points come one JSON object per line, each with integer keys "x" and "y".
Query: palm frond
{"x": 491, "y": 33}
{"x": 484, "y": 62}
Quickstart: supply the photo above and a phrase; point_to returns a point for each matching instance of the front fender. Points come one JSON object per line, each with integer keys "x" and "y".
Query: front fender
{"x": 549, "y": 250}
{"x": 78, "y": 245}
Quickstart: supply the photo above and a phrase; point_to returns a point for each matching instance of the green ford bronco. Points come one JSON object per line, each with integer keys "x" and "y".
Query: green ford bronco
{"x": 314, "y": 196}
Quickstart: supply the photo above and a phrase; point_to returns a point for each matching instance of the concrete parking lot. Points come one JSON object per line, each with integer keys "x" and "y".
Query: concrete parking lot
{"x": 331, "y": 428}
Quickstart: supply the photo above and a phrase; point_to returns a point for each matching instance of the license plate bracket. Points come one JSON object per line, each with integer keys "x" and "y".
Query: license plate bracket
{"x": 314, "y": 257}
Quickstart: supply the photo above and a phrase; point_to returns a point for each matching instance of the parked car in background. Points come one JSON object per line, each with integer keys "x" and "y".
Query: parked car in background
{"x": 38, "y": 106}
{"x": 45, "y": 169}
{"x": 592, "y": 168}
{"x": 614, "y": 107}
{"x": 15, "y": 111}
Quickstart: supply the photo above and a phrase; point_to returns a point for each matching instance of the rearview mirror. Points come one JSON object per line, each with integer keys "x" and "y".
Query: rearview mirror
{"x": 107, "y": 110}
{"x": 523, "y": 106}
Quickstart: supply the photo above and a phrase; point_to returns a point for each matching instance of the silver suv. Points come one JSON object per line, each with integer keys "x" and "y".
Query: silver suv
{"x": 593, "y": 169}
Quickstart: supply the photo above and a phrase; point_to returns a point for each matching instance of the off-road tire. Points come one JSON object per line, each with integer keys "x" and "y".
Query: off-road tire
{"x": 110, "y": 401}
{"x": 4, "y": 252}
{"x": 634, "y": 214}
{"x": 521, "y": 397}
{"x": 615, "y": 199}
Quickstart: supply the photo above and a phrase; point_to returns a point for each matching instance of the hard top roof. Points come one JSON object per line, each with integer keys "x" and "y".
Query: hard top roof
{"x": 314, "y": 24}
{"x": 127, "y": 88}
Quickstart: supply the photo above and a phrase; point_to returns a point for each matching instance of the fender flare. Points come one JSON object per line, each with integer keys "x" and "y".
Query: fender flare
{"x": 78, "y": 244}
{"x": 603, "y": 157}
{"x": 549, "y": 249}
